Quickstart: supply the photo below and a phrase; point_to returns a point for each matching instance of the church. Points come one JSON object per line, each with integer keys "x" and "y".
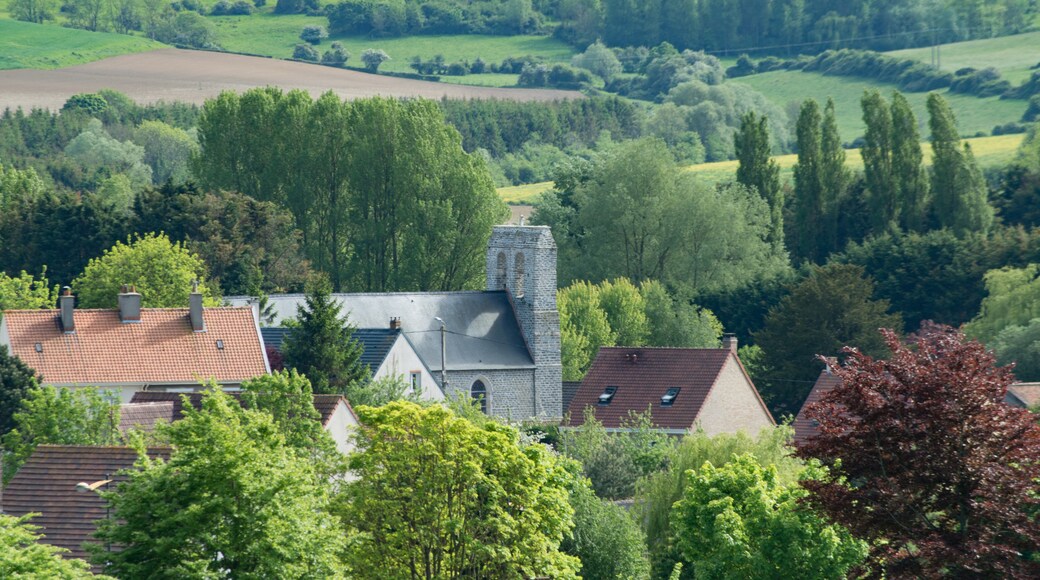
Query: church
{"x": 500, "y": 345}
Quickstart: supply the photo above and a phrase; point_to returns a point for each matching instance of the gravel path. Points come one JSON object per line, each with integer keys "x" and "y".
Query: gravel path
{"x": 194, "y": 76}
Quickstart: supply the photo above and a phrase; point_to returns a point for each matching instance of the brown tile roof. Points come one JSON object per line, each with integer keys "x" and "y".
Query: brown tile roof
{"x": 570, "y": 388}
{"x": 642, "y": 381}
{"x": 1027, "y": 394}
{"x": 325, "y": 404}
{"x": 144, "y": 416}
{"x": 161, "y": 348}
{"x": 47, "y": 484}
{"x": 803, "y": 426}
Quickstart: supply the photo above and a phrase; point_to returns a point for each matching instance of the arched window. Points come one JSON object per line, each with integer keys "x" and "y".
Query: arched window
{"x": 518, "y": 284}
{"x": 500, "y": 272}
{"x": 479, "y": 391}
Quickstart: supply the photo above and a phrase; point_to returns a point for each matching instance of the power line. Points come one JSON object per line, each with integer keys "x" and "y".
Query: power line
{"x": 837, "y": 42}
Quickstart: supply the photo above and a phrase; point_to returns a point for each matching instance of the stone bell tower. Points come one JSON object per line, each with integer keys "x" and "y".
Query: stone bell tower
{"x": 522, "y": 261}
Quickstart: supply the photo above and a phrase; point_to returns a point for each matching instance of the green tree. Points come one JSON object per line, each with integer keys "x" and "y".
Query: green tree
{"x": 740, "y": 521}
{"x": 166, "y": 150}
{"x": 909, "y": 177}
{"x": 625, "y": 309}
{"x": 25, "y": 292}
{"x": 599, "y": 60}
{"x": 478, "y": 501}
{"x": 19, "y": 185}
{"x": 161, "y": 270}
{"x": 321, "y": 345}
{"x": 51, "y": 416}
{"x": 878, "y": 163}
{"x": 758, "y": 170}
{"x": 831, "y": 308}
{"x": 32, "y": 10}
{"x": 606, "y": 539}
{"x": 657, "y": 493}
{"x": 676, "y": 322}
{"x": 1020, "y": 344}
{"x": 373, "y": 58}
{"x": 834, "y": 176}
{"x": 102, "y": 155}
{"x": 17, "y": 380}
{"x": 22, "y": 555}
{"x": 809, "y": 210}
{"x": 958, "y": 190}
{"x": 583, "y": 328}
{"x": 1013, "y": 300}
{"x": 234, "y": 500}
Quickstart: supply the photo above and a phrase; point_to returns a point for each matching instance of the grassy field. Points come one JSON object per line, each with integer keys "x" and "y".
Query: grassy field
{"x": 270, "y": 35}
{"x": 26, "y": 45}
{"x": 783, "y": 87}
{"x": 989, "y": 151}
{"x": 1011, "y": 55}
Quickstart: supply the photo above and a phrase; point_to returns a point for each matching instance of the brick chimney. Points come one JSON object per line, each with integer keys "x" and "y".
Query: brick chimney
{"x": 729, "y": 341}
{"x": 129, "y": 304}
{"x": 67, "y": 303}
{"x": 198, "y": 323}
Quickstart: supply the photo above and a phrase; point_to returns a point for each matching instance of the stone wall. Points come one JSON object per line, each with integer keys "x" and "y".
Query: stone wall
{"x": 511, "y": 392}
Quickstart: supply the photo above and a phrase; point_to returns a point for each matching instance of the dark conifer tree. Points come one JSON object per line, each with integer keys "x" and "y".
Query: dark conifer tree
{"x": 808, "y": 188}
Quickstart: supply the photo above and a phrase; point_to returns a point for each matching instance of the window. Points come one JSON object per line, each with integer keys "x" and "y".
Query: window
{"x": 479, "y": 392}
{"x": 669, "y": 397}
{"x": 500, "y": 272}
{"x": 518, "y": 266}
{"x": 416, "y": 381}
{"x": 608, "y": 394}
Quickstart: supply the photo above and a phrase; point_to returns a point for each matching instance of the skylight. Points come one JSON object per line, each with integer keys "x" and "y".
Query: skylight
{"x": 608, "y": 394}
{"x": 669, "y": 397}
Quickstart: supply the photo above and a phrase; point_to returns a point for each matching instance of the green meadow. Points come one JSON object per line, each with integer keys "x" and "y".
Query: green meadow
{"x": 41, "y": 46}
{"x": 1011, "y": 55}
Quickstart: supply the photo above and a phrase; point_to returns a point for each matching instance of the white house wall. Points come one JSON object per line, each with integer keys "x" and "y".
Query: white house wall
{"x": 341, "y": 427}
{"x": 733, "y": 405}
{"x": 402, "y": 360}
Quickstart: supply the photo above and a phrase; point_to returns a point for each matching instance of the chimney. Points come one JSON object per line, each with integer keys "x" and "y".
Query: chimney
{"x": 729, "y": 341}
{"x": 832, "y": 362}
{"x": 198, "y": 324}
{"x": 129, "y": 304}
{"x": 67, "y": 303}
{"x": 395, "y": 323}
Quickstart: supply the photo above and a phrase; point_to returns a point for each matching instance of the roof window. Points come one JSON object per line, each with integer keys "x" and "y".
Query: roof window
{"x": 608, "y": 394}
{"x": 669, "y": 397}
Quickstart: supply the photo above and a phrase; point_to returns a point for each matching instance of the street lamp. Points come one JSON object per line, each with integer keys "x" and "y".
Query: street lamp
{"x": 444, "y": 372}
{"x": 84, "y": 487}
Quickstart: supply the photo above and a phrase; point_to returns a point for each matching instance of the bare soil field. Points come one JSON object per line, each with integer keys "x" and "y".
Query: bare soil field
{"x": 194, "y": 76}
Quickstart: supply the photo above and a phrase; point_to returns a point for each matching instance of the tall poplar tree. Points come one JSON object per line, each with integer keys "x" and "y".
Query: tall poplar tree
{"x": 877, "y": 162}
{"x": 957, "y": 187}
{"x": 908, "y": 173}
{"x": 808, "y": 187}
{"x": 834, "y": 177}
{"x": 757, "y": 169}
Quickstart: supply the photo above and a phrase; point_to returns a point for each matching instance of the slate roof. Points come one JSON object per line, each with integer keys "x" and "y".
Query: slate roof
{"x": 483, "y": 332}
{"x": 570, "y": 388}
{"x": 144, "y": 416}
{"x": 1023, "y": 395}
{"x": 161, "y": 348}
{"x": 642, "y": 376}
{"x": 803, "y": 426}
{"x": 47, "y": 484}
{"x": 325, "y": 404}
{"x": 376, "y": 342}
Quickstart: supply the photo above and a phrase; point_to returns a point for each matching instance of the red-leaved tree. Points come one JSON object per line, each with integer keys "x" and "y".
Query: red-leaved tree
{"x": 927, "y": 461}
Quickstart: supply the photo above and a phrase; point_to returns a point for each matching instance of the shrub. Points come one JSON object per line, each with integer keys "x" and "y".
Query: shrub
{"x": 744, "y": 67}
{"x": 336, "y": 55}
{"x": 90, "y": 103}
{"x": 306, "y": 52}
{"x": 241, "y": 8}
{"x": 313, "y": 34}
{"x": 188, "y": 29}
{"x": 478, "y": 66}
{"x": 458, "y": 69}
{"x": 373, "y": 58}
{"x": 1033, "y": 110}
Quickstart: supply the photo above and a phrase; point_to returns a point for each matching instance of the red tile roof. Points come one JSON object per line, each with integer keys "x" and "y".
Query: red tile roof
{"x": 1028, "y": 394}
{"x": 325, "y": 404}
{"x": 144, "y": 416}
{"x": 46, "y": 484}
{"x": 642, "y": 381}
{"x": 161, "y": 348}
{"x": 803, "y": 426}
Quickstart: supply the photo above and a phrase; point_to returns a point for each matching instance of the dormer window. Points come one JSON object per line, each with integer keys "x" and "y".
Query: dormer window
{"x": 669, "y": 397}
{"x": 608, "y": 394}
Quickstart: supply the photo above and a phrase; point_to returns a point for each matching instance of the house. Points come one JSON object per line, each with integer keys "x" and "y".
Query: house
{"x": 1023, "y": 395}
{"x": 684, "y": 389}
{"x": 129, "y": 348}
{"x": 49, "y": 484}
{"x": 386, "y": 351}
{"x": 337, "y": 416}
{"x": 825, "y": 383}
{"x": 500, "y": 345}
